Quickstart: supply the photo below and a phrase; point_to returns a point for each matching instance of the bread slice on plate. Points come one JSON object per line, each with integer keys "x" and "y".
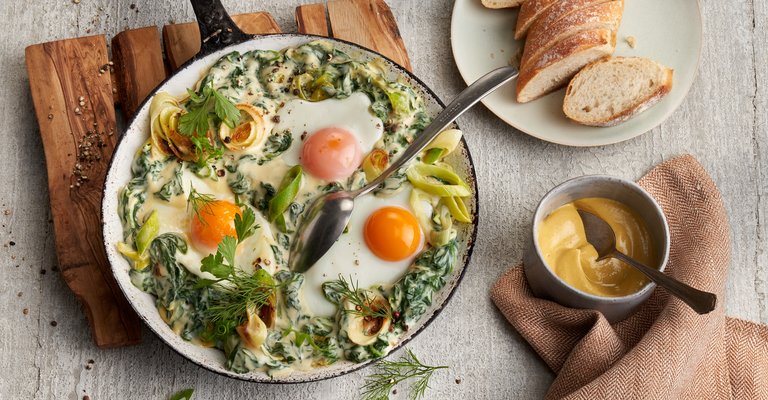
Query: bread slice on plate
{"x": 553, "y": 68}
{"x": 596, "y": 16}
{"x": 501, "y": 3}
{"x": 613, "y": 90}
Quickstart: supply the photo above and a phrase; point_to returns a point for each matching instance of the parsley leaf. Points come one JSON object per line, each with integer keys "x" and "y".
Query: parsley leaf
{"x": 227, "y": 249}
{"x": 205, "y": 108}
{"x": 245, "y": 224}
{"x": 185, "y": 394}
{"x": 214, "y": 263}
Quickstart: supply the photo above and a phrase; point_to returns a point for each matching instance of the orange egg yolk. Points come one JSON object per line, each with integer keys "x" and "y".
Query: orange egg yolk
{"x": 392, "y": 233}
{"x": 331, "y": 154}
{"x": 212, "y": 222}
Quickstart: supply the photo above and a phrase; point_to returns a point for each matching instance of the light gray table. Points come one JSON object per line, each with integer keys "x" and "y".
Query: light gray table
{"x": 722, "y": 122}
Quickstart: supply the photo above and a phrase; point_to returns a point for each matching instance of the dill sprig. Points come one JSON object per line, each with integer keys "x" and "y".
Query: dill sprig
{"x": 243, "y": 293}
{"x": 388, "y": 374}
{"x": 362, "y": 300}
{"x": 199, "y": 202}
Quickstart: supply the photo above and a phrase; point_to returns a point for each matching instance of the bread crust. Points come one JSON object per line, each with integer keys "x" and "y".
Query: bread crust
{"x": 626, "y": 114}
{"x": 560, "y": 52}
{"x": 596, "y": 16}
{"x": 529, "y": 11}
{"x": 560, "y": 9}
{"x": 501, "y": 3}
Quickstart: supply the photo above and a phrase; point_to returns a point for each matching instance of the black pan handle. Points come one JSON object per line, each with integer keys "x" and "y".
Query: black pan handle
{"x": 217, "y": 30}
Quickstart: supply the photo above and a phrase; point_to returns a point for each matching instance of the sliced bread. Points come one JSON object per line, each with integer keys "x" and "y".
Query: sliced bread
{"x": 559, "y": 10}
{"x": 501, "y": 3}
{"x": 553, "y": 68}
{"x": 529, "y": 11}
{"x": 596, "y": 16}
{"x": 613, "y": 90}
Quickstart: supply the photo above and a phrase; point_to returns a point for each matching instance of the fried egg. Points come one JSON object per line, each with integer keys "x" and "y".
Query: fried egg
{"x": 330, "y": 137}
{"x": 215, "y": 221}
{"x": 381, "y": 243}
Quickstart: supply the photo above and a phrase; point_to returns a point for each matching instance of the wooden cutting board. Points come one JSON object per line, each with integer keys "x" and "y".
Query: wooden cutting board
{"x": 76, "y": 89}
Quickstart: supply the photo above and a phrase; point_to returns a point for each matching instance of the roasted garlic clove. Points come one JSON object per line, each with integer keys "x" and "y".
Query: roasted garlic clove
{"x": 364, "y": 330}
{"x": 251, "y": 129}
{"x": 253, "y": 332}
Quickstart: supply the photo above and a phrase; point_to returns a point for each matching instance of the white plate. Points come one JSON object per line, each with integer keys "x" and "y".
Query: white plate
{"x": 667, "y": 31}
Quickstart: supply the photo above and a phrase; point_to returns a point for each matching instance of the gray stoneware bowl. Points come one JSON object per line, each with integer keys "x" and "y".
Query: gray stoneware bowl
{"x": 545, "y": 283}
{"x": 223, "y": 38}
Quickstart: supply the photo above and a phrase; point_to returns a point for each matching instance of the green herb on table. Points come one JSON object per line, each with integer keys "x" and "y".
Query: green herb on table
{"x": 185, "y": 394}
{"x": 205, "y": 108}
{"x": 388, "y": 374}
{"x": 362, "y": 300}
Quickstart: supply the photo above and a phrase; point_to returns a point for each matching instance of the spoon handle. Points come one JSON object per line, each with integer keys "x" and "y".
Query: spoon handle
{"x": 700, "y": 301}
{"x": 463, "y": 102}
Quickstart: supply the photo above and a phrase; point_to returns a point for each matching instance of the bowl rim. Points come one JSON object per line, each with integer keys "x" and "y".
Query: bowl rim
{"x": 315, "y": 375}
{"x": 613, "y": 180}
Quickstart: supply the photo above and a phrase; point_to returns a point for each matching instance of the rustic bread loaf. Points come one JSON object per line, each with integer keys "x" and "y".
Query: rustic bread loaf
{"x": 595, "y": 16}
{"x": 613, "y": 90}
{"x": 553, "y": 68}
{"x": 501, "y": 3}
{"x": 529, "y": 11}
{"x": 552, "y": 13}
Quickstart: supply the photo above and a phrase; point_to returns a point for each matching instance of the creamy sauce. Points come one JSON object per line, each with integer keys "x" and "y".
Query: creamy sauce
{"x": 356, "y": 102}
{"x": 565, "y": 249}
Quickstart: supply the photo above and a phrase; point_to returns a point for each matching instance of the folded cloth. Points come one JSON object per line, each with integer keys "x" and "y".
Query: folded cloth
{"x": 664, "y": 350}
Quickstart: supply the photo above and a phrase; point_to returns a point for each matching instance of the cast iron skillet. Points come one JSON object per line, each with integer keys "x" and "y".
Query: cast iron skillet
{"x": 220, "y": 36}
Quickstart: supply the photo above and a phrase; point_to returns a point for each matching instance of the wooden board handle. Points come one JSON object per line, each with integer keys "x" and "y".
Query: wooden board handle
{"x": 74, "y": 108}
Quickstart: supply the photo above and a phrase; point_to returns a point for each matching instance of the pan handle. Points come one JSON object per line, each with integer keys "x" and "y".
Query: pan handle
{"x": 217, "y": 30}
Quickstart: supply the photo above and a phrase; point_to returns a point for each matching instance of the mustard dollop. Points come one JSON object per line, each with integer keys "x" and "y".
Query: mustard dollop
{"x": 564, "y": 245}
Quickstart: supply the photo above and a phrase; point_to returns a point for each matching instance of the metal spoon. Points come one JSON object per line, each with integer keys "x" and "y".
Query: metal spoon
{"x": 329, "y": 214}
{"x": 601, "y": 236}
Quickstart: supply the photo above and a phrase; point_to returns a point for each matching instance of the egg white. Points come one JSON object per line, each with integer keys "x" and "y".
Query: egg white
{"x": 176, "y": 218}
{"x": 351, "y": 258}
{"x": 303, "y": 118}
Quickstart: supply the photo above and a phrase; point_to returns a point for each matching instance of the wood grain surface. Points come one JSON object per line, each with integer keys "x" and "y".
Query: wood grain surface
{"x": 369, "y": 23}
{"x": 137, "y": 55}
{"x": 182, "y": 41}
{"x": 312, "y": 19}
{"x": 723, "y": 122}
{"x": 75, "y": 111}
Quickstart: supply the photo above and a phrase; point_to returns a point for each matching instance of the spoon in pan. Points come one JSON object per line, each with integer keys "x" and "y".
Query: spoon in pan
{"x": 601, "y": 236}
{"x": 327, "y": 217}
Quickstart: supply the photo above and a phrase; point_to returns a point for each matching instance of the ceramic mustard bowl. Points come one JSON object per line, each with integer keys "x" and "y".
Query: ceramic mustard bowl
{"x": 559, "y": 263}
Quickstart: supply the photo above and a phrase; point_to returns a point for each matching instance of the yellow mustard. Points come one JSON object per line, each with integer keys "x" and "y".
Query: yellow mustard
{"x": 566, "y": 251}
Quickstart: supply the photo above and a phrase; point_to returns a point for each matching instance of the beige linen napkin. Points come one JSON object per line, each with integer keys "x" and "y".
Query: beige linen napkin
{"x": 664, "y": 350}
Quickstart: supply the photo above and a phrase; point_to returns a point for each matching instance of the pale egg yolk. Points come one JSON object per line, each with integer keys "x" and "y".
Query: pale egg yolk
{"x": 392, "y": 233}
{"x": 331, "y": 154}
{"x": 213, "y": 222}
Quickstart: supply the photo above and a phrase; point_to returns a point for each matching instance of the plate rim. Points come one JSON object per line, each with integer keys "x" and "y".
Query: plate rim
{"x": 613, "y": 139}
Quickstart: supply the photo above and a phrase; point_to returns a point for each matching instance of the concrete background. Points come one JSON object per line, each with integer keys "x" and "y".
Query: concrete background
{"x": 722, "y": 122}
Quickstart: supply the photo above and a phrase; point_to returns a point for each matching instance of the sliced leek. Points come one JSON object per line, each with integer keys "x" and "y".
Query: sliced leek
{"x": 375, "y": 163}
{"x": 439, "y": 180}
{"x": 458, "y": 209}
{"x": 289, "y": 188}
{"x": 251, "y": 129}
{"x": 144, "y": 238}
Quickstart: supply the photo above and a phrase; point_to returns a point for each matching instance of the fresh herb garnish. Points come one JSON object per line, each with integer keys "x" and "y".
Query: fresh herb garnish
{"x": 198, "y": 202}
{"x": 205, "y": 108}
{"x": 185, "y": 394}
{"x": 388, "y": 374}
{"x": 243, "y": 291}
{"x": 362, "y": 300}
